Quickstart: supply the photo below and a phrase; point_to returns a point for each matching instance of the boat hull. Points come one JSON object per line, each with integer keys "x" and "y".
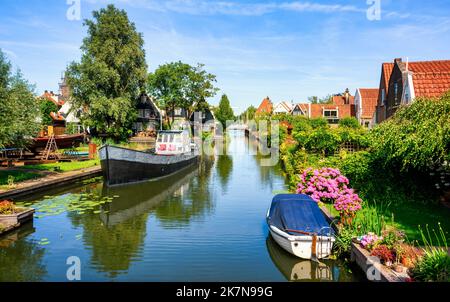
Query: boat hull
{"x": 121, "y": 165}
{"x": 62, "y": 141}
{"x": 301, "y": 246}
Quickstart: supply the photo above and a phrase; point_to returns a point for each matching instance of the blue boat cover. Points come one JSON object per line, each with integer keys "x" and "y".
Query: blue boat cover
{"x": 297, "y": 212}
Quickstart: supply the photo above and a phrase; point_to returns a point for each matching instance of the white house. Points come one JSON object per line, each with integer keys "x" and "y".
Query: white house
{"x": 283, "y": 107}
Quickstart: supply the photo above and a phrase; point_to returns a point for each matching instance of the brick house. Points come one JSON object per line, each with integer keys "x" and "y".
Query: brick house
{"x": 409, "y": 80}
{"x": 341, "y": 106}
{"x": 380, "y": 112}
{"x": 266, "y": 107}
{"x": 365, "y": 105}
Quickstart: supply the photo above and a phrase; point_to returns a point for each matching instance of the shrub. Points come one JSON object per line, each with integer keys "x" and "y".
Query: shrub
{"x": 357, "y": 167}
{"x": 417, "y": 136}
{"x": 328, "y": 185}
{"x": 358, "y": 137}
{"x": 324, "y": 185}
{"x": 323, "y": 140}
{"x": 319, "y": 122}
{"x": 350, "y": 122}
{"x": 301, "y": 124}
{"x": 343, "y": 241}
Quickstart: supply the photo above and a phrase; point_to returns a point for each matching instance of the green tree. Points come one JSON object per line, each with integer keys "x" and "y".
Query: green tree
{"x": 180, "y": 85}
{"x": 349, "y": 122}
{"x": 324, "y": 100}
{"x": 201, "y": 87}
{"x": 170, "y": 84}
{"x": 19, "y": 111}
{"x": 46, "y": 107}
{"x": 111, "y": 75}
{"x": 248, "y": 114}
{"x": 224, "y": 111}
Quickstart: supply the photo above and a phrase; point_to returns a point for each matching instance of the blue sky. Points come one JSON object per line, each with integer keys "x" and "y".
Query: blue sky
{"x": 287, "y": 50}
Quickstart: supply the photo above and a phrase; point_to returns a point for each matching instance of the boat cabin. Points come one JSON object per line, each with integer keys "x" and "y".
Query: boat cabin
{"x": 173, "y": 142}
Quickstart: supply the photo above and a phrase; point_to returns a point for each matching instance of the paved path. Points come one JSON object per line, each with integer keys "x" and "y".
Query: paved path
{"x": 49, "y": 181}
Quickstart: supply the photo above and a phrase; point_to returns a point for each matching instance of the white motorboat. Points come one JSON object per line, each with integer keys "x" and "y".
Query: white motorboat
{"x": 297, "y": 224}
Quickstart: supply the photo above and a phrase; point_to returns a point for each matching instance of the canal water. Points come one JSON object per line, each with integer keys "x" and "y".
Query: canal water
{"x": 206, "y": 223}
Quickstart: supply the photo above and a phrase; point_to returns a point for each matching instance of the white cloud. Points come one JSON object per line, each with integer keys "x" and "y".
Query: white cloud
{"x": 203, "y": 7}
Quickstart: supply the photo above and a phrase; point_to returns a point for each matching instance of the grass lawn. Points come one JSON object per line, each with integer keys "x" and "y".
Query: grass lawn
{"x": 64, "y": 166}
{"x": 408, "y": 217}
{"x": 26, "y": 175}
{"x": 18, "y": 176}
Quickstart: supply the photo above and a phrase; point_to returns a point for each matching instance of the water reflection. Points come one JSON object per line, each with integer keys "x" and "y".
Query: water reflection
{"x": 205, "y": 223}
{"x": 224, "y": 169}
{"x": 192, "y": 199}
{"x": 116, "y": 235}
{"x": 296, "y": 269}
{"x": 22, "y": 257}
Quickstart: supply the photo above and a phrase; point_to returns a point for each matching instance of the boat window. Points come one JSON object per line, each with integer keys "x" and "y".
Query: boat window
{"x": 165, "y": 137}
{"x": 170, "y": 138}
{"x": 160, "y": 138}
{"x": 177, "y": 139}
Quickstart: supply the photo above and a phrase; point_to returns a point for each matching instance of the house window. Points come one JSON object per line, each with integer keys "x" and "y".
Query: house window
{"x": 331, "y": 115}
{"x": 396, "y": 93}
{"x": 178, "y": 111}
{"x": 383, "y": 97}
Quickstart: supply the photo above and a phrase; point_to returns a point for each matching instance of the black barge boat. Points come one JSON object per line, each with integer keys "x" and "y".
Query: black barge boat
{"x": 122, "y": 165}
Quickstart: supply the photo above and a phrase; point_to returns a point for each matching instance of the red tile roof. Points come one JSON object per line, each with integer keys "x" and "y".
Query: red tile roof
{"x": 340, "y": 100}
{"x": 303, "y": 107}
{"x": 430, "y": 78}
{"x": 265, "y": 106}
{"x": 386, "y": 74}
{"x": 369, "y": 97}
{"x": 52, "y": 98}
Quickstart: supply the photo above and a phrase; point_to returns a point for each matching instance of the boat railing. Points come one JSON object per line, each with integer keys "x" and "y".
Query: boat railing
{"x": 326, "y": 235}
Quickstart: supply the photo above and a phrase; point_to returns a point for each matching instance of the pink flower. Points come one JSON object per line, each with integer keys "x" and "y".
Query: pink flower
{"x": 328, "y": 185}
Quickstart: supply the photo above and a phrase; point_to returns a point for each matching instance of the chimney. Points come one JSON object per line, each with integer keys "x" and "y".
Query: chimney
{"x": 347, "y": 96}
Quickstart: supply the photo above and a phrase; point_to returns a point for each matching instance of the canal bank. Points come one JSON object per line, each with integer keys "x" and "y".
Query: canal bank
{"x": 42, "y": 184}
{"x": 206, "y": 224}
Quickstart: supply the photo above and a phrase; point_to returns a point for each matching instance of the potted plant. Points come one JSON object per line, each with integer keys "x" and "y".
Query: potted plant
{"x": 385, "y": 254}
{"x": 10, "y": 214}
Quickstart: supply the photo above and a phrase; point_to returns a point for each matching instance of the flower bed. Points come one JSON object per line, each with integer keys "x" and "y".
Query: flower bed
{"x": 11, "y": 215}
{"x": 328, "y": 185}
{"x": 362, "y": 231}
